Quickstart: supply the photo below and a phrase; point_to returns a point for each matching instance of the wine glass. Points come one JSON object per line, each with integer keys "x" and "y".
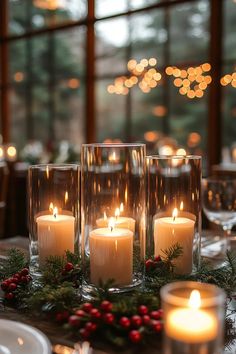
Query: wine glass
{"x": 219, "y": 205}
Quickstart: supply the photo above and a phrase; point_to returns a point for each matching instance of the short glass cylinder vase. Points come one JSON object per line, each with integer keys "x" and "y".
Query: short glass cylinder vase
{"x": 194, "y": 315}
{"x": 53, "y": 211}
{"x": 113, "y": 212}
{"x": 174, "y": 209}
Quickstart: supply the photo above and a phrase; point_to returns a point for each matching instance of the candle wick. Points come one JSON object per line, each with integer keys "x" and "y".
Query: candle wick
{"x": 111, "y": 228}
{"x": 55, "y": 215}
{"x": 174, "y": 218}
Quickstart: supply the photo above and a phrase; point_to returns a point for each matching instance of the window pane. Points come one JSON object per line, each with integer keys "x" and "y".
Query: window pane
{"x": 229, "y": 41}
{"x": 112, "y": 38}
{"x": 110, "y": 113}
{"x": 189, "y": 34}
{"x": 17, "y": 95}
{"x": 69, "y": 112}
{"x": 26, "y": 15}
{"x": 110, "y": 7}
{"x": 18, "y": 64}
{"x": 148, "y": 36}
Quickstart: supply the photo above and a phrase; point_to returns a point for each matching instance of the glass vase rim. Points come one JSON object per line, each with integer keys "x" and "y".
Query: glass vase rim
{"x": 216, "y": 299}
{"x": 114, "y": 145}
{"x": 218, "y": 179}
{"x": 169, "y": 157}
{"x": 53, "y": 165}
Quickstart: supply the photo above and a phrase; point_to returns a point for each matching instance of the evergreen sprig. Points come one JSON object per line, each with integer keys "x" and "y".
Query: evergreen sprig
{"x": 16, "y": 260}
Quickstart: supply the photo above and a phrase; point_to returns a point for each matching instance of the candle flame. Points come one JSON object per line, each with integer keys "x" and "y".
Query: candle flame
{"x": 66, "y": 197}
{"x": 51, "y": 207}
{"x": 55, "y": 212}
{"x": 47, "y": 172}
{"x": 111, "y": 224}
{"x": 105, "y": 215}
{"x": 117, "y": 213}
{"x": 194, "y": 301}
{"x": 121, "y": 207}
{"x": 181, "y": 206}
{"x": 175, "y": 213}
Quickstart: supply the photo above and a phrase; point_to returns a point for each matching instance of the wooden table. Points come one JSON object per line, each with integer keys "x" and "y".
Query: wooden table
{"x": 56, "y": 334}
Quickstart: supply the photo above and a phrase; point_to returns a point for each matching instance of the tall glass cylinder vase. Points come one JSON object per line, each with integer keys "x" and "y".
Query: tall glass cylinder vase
{"x": 194, "y": 315}
{"x": 113, "y": 216}
{"x": 53, "y": 202}
{"x": 174, "y": 208}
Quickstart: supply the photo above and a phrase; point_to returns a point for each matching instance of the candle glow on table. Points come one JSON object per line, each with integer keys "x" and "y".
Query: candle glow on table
{"x": 56, "y": 234}
{"x": 169, "y": 231}
{"x": 111, "y": 254}
{"x": 121, "y": 222}
{"x": 191, "y": 324}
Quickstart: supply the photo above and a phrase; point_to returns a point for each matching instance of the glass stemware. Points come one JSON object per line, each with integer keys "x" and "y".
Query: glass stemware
{"x": 219, "y": 204}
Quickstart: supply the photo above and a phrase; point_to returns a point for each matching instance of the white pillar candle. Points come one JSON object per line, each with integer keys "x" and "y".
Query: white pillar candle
{"x": 191, "y": 324}
{"x": 56, "y": 234}
{"x": 111, "y": 255}
{"x": 169, "y": 231}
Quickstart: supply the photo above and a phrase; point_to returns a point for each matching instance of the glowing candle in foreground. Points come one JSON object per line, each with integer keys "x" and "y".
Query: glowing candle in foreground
{"x": 191, "y": 324}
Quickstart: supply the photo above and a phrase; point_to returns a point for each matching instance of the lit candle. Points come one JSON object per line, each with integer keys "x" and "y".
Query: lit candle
{"x": 111, "y": 254}
{"x": 56, "y": 234}
{"x": 169, "y": 231}
{"x": 121, "y": 222}
{"x": 191, "y": 324}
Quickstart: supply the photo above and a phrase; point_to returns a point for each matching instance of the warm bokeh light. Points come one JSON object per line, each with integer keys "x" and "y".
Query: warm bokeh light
{"x": 73, "y": 83}
{"x": 19, "y": 76}
{"x": 194, "y": 139}
{"x": 181, "y": 152}
{"x": 159, "y": 111}
{"x": 152, "y": 61}
{"x": 151, "y": 136}
{"x": 11, "y": 151}
{"x": 229, "y": 79}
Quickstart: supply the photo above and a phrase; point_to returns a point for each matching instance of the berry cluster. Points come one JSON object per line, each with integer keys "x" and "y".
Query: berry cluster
{"x": 89, "y": 318}
{"x": 11, "y": 285}
{"x": 150, "y": 264}
{"x": 67, "y": 268}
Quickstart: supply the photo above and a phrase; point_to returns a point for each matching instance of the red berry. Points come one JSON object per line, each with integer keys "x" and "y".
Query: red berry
{"x": 12, "y": 287}
{"x": 10, "y": 280}
{"x": 84, "y": 333}
{"x": 65, "y": 314}
{"x": 91, "y": 326}
{"x": 106, "y": 306}
{"x": 95, "y": 313}
{"x": 15, "y": 280}
{"x": 29, "y": 278}
{"x": 59, "y": 317}
{"x": 149, "y": 264}
{"x": 136, "y": 321}
{"x": 17, "y": 275}
{"x": 157, "y": 325}
{"x": 146, "y": 319}
{"x": 80, "y": 313}
{"x": 156, "y": 315}
{"x": 143, "y": 310}
{"x": 125, "y": 322}
{"x": 135, "y": 336}
{"x": 87, "y": 306}
{"x": 9, "y": 296}
{"x": 4, "y": 285}
{"x": 108, "y": 318}
{"x": 161, "y": 312}
{"x": 24, "y": 279}
{"x": 74, "y": 321}
{"x": 24, "y": 271}
{"x": 157, "y": 259}
{"x": 68, "y": 267}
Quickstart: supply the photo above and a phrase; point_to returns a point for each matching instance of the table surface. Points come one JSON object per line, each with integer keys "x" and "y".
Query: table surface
{"x": 56, "y": 334}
